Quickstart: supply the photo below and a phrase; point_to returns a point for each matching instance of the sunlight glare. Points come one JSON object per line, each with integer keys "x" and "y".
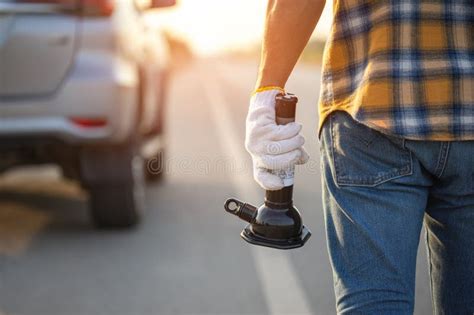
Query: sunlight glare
{"x": 211, "y": 26}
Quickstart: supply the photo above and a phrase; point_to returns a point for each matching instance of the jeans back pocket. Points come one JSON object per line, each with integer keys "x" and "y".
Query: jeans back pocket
{"x": 363, "y": 156}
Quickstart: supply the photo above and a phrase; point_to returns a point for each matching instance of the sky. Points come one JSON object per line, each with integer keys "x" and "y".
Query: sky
{"x": 211, "y": 26}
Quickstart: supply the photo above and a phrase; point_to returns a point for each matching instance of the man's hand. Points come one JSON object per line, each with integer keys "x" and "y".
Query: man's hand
{"x": 272, "y": 146}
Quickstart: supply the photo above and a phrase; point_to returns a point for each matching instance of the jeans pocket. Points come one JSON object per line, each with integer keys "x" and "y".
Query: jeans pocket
{"x": 362, "y": 156}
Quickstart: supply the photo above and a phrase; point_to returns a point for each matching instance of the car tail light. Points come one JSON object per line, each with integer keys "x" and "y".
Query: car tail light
{"x": 86, "y": 122}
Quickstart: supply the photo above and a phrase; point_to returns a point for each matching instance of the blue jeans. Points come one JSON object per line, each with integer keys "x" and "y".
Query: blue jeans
{"x": 378, "y": 190}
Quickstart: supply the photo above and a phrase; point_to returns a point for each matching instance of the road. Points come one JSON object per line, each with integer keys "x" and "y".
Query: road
{"x": 187, "y": 256}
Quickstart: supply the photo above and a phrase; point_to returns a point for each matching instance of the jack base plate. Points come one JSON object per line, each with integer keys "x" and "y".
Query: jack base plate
{"x": 296, "y": 242}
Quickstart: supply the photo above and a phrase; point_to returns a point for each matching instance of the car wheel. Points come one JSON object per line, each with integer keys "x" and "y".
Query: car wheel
{"x": 117, "y": 195}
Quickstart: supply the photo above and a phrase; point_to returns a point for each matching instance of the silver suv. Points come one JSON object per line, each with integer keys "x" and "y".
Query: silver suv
{"x": 82, "y": 85}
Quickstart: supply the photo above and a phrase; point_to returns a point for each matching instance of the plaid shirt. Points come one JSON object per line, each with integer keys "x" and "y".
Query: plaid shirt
{"x": 403, "y": 67}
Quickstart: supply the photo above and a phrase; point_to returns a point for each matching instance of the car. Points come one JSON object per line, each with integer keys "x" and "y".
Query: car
{"x": 83, "y": 85}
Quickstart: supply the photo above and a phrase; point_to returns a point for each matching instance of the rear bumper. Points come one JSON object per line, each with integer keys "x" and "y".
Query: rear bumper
{"x": 99, "y": 85}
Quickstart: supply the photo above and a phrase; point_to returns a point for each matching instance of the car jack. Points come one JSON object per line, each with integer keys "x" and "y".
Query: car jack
{"x": 276, "y": 223}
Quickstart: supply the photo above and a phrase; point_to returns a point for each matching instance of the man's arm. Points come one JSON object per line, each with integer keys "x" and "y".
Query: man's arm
{"x": 288, "y": 27}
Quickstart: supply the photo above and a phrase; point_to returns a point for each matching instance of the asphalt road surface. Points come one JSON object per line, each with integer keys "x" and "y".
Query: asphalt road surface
{"x": 187, "y": 256}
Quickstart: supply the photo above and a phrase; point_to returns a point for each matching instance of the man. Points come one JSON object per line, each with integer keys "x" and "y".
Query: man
{"x": 397, "y": 143}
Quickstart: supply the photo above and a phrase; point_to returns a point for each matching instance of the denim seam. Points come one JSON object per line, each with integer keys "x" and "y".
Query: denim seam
{"x": 430, "y": 269}
{"x": 442, "y": 160}
{"x": 379, "y": 181}
{"x": 331, "y": 136}
{"x": 405, "y": 171}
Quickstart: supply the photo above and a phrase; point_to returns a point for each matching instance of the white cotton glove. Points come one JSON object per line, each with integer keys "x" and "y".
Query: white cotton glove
{"x": 275, "y": 149}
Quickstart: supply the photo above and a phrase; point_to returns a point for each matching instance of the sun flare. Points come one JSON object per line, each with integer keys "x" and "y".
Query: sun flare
{"x": 211, "y": 26}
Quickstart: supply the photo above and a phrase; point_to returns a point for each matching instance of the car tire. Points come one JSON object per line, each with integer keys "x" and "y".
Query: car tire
{"x": 117, "y": 195}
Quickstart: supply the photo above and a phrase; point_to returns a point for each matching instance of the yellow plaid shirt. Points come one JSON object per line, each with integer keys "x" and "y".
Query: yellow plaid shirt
{"x": 403, "y": 67}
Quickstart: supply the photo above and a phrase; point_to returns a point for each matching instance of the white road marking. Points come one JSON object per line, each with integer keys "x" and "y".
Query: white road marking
{"x": 283, "y": 292}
